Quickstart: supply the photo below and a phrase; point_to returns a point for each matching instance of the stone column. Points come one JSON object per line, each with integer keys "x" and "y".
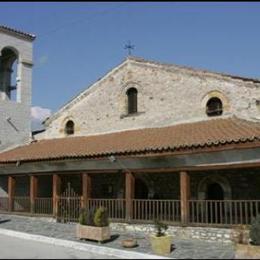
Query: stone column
{"x": 129, "y": 194}
{"x": 185, "y": 196}
{"x": 11, "y": 192}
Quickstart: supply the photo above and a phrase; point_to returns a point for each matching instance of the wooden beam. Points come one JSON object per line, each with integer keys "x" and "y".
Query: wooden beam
{"x": 86, "y": 189}
{"x": 11, "y": 192}
{"x": 236, "y": 158}
{"x": 185, "y": 196}
{"x": 129, "y": 194}
{"x": 33, "y": 191}
{"x": 56, "y": 190}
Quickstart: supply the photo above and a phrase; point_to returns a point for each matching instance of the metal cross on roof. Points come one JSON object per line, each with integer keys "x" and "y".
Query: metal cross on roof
{"x": 129, "y": 47}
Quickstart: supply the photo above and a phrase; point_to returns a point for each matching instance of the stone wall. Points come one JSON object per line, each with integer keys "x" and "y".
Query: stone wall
{"x": 244, "y": 183}
{"x": 22, "y": 186}
{"x": 18, "y": 112}
{"x": 209, "y": 234}
{"x": 166, "y": 96}
{"x": 108, "y": 185}
{"x": 167, "y": 185}
{"x": 45, "y": 186}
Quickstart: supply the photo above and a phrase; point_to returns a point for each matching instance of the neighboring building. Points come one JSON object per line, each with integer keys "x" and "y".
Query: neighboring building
{"x": 148, "y": 140}
{"x": 15, "y": 87}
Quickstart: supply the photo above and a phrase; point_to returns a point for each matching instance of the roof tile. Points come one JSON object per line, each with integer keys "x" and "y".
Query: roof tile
{"x": 208, "y": 133}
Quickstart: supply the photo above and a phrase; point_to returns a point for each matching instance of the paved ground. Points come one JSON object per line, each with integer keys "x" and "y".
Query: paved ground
{"x": 195, "y": 249}
{"x": 16, "y": 248}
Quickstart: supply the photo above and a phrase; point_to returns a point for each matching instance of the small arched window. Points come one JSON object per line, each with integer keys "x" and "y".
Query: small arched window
{"x": 214, "y": 107}
{"x": 69, "y": 128}
{"x": 132, "y": 100}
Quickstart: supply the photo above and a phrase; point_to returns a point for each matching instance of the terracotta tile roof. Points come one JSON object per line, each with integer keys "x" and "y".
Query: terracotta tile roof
{"x": 213, "y": 132}
{"x": 17, "y": 32}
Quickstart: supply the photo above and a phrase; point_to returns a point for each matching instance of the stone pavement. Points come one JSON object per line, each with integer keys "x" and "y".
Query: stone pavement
{"x": 182, "y": 249}
{"x": 28, "y": 249}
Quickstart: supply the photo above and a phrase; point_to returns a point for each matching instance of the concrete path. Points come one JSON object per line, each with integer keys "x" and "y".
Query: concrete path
{"x": 17, "y": 248}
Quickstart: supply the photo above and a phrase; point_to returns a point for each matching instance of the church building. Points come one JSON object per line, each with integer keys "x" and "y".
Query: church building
{"x": 148, "y": 141}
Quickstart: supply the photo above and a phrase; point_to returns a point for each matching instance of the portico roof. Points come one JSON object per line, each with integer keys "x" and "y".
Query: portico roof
{"x": 222, "y": 132}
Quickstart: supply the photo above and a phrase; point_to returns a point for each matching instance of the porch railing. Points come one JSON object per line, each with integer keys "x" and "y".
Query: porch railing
{"x": 223, "y": 212}
{"x": 164, "y": 210}
{"x": 43, "y": 206}
{"x": 21, "y": 204}
{"x": 4, "y": 204}
{"x": 69, "y": 209}
{"x": 116, "y": 207}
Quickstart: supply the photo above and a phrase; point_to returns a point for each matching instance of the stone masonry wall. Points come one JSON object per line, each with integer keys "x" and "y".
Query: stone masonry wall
{"x": 244, "y": 183}
{"x": 165, "y": 97}
{"x": 167, "y": 185}
{"x": 18, "y": 112}
{"x": 209, "y": 234}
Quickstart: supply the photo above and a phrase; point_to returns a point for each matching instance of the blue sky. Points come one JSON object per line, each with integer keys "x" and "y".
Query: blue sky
{"x": 79, "y": 42}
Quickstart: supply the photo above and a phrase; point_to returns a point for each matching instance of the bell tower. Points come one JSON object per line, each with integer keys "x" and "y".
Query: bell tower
{"x": 16, "y": 61}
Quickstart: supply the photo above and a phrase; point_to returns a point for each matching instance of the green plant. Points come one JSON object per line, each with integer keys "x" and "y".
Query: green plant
{"x": 90, "y": 217}
{"x": 101, "y": 217}
{"x": 255, "y": 231}
{"x": 239, "y": 234}
{"x": 83, "y": 216}
{"x": 87, "y": 217}
{"x": 160, "y": 228}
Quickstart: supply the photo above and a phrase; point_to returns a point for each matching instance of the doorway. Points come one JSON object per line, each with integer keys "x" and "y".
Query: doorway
{"x": 215, "y": 192}
{"x": 215, "y": 196}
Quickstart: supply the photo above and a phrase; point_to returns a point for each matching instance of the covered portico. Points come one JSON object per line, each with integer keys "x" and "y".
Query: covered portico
{"x": 191, "y": 189}
{"x": 204, "y": 173}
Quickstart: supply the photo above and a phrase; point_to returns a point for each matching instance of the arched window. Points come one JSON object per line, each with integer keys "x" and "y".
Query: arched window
{"x": 8, "y": 74}
{"x": 132, "y": 100}
{"x": 214, "y": 107}
{"x": 69, "y": 128}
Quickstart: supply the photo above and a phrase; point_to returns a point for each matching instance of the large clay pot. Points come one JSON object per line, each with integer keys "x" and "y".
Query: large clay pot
{"x": 161, "y": 245}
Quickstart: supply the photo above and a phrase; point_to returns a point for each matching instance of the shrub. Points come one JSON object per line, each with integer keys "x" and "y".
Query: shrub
{"x": 255, "y": 231}
{"x": 94, "y": 217}
{"x": 101, "y": 217}
{"x": 160, "y": 228}
{"x": 90, "y": 217}
{"x": 83, "y": 216}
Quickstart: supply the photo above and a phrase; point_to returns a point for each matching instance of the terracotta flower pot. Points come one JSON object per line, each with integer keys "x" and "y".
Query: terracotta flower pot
{"x": 129, "y": 243}
{"x": 161, "y": 245}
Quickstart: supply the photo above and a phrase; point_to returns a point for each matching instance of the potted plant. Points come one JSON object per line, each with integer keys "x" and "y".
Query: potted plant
{"x": 252, "y": 249}
{"x": 160, "y": 241}
{"x": 93, "y": 225}
{"x": 240, "y": 234}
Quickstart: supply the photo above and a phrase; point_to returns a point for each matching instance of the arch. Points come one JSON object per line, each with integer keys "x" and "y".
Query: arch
{"x": 209, "y": 180}
{"x": 123, "y": 98}
{"x": 132, "y": 99}
{"x": 9, "y": 73}
{"x": 216, "y": 94}
{"x": 215, "y": 192}
{"x": 214, "y": 107}
{"x": 69, "y": 127}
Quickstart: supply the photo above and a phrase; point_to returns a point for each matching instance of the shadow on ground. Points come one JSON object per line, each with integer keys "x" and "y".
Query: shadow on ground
{"x": 4, "y": 221}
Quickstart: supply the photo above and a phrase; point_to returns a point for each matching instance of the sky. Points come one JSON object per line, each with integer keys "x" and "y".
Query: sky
{"x": 79, "y": 42}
